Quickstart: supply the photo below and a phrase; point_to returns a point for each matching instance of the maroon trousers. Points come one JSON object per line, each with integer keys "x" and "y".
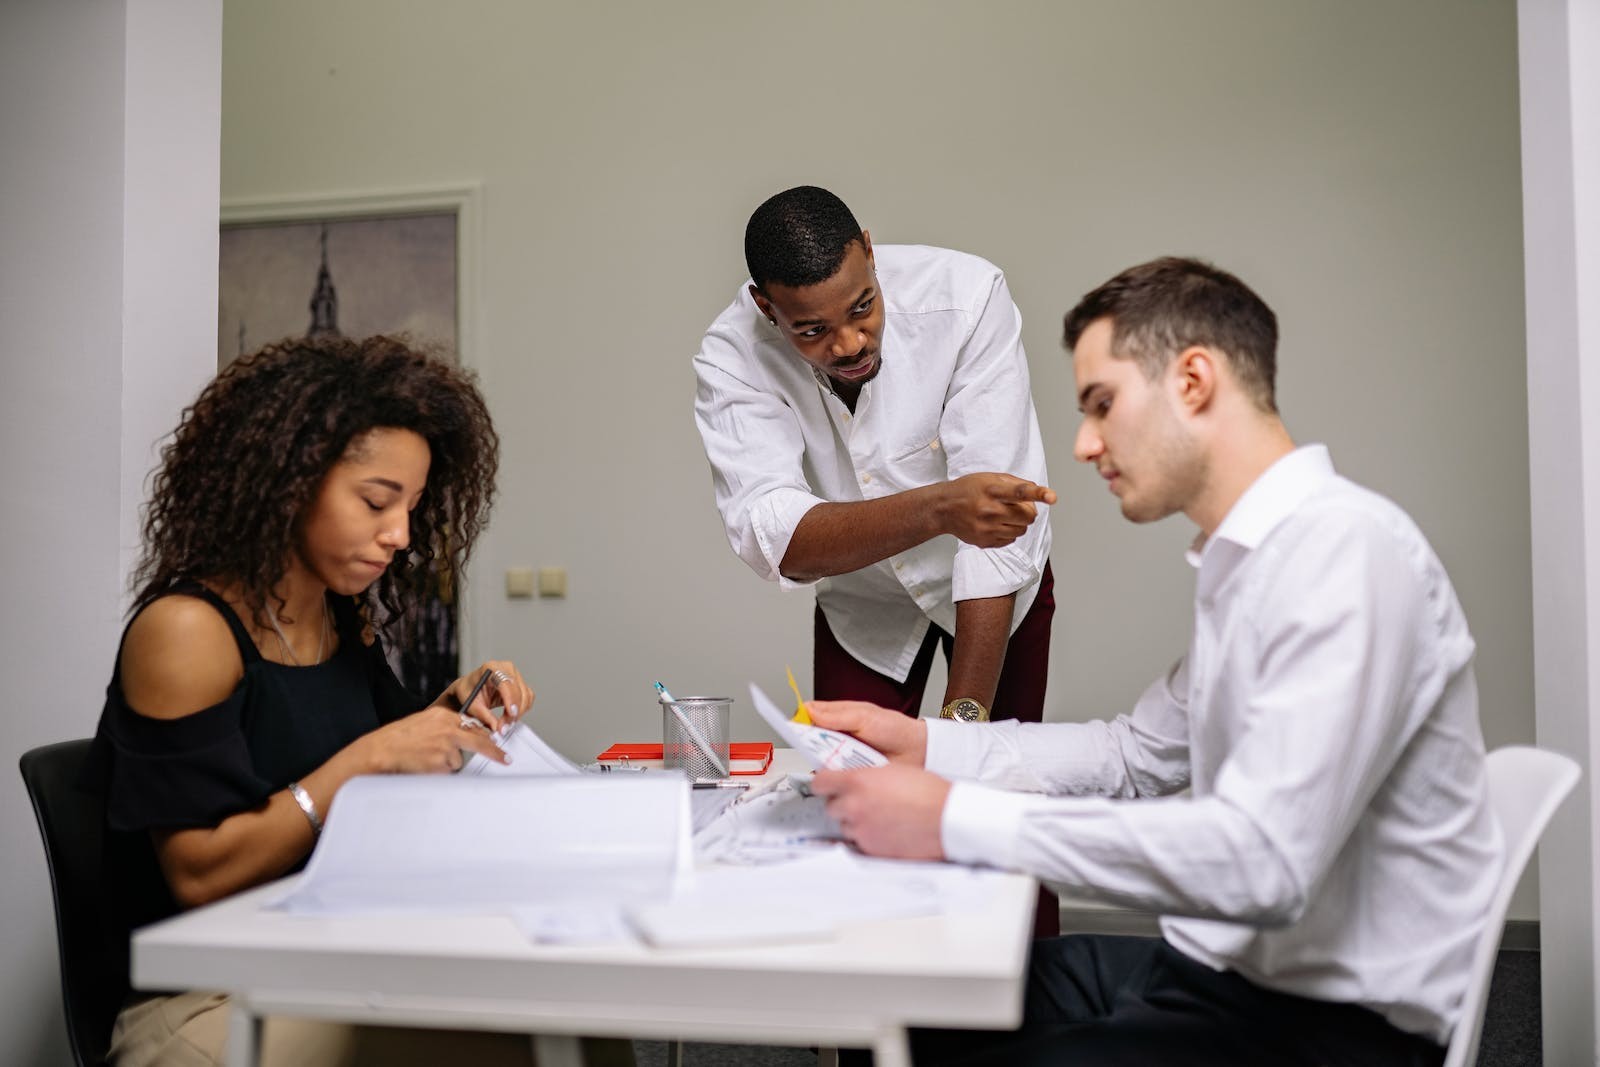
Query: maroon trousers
{"x": 837, "y": 675}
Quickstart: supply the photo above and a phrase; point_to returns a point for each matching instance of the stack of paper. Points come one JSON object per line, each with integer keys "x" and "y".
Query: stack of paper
{"x": 433, "y": 844}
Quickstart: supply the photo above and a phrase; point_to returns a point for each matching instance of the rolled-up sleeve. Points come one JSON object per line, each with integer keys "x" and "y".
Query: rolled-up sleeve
{"x": 754, "y": 445}
{"x": 989, "y": 424}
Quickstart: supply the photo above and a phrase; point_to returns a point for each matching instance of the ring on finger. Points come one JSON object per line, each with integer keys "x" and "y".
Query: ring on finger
{"x": 467, "y": 722}
{"x": 502, "y": 676}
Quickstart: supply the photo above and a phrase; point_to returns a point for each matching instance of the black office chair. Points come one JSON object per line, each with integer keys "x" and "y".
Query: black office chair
{"x": 94, "y": 951}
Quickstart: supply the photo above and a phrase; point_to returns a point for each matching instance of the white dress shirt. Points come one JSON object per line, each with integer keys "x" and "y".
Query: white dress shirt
{"x": 1337, "y": 842}
{"x": 952, "y": 398}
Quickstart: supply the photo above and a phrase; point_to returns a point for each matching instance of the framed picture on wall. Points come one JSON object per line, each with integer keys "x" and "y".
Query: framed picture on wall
{"x": 354, "y": 266}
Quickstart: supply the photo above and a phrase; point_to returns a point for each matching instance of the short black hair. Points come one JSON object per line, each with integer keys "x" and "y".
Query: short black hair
{"x": 1162, "y": 307}
{"x": 798, "y": 237}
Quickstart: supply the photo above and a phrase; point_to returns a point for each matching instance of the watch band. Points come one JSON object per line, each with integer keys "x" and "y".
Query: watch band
{"x": 307, "y": 805}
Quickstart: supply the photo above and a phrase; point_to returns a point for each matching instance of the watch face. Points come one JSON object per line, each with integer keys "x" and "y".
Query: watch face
{"x": 967, "y": 711}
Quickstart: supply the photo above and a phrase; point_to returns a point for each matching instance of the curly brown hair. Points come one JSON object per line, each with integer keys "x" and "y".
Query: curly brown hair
{"x": 250, "y": 454}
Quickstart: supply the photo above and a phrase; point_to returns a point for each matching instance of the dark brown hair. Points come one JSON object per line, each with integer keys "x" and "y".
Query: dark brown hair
{"x": 250, "y": 454}
{"x": 1162, "y": 307}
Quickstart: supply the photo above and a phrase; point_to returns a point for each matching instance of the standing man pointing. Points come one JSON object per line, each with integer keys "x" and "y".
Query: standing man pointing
{"x": 870, "y": 429}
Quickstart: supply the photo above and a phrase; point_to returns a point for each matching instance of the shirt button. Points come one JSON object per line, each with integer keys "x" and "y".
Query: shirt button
{"x": 934, "y": 444}
{"x": 866, "y": 479}
{"x": 898, "y": 564}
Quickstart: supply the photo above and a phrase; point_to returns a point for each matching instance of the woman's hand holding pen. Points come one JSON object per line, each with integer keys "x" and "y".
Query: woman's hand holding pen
{"x": 899, "y": 737}
{"x": 431, "y": 741}
{"x": 505, "y": 688}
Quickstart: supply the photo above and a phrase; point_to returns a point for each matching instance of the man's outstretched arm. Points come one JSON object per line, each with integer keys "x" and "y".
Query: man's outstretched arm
{"x": 986, "y": 510}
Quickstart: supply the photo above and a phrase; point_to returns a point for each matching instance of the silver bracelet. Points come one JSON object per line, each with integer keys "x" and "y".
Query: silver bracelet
{"x": 307, "y": 805}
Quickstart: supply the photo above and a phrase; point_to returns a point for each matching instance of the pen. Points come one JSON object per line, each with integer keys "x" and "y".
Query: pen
{"x": 719, "y": 785}
{"x": 801, "y": 715}
{"x": 467, "y": 703}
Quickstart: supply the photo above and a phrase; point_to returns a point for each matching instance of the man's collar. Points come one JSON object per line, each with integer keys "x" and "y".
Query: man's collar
{"x": 1271, "y": 498}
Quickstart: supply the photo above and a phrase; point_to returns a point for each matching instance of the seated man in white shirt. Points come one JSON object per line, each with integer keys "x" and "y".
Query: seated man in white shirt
{"x": 1326, "y": 878}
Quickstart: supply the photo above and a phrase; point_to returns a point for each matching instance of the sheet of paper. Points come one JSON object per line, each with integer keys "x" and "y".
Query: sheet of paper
{"x": 826, "y": 750}
{"x": 530, "y": 754}
{"x": 769, "y": 827}
{"x": 438, "y": 844}
{"x": 811, "y": 898}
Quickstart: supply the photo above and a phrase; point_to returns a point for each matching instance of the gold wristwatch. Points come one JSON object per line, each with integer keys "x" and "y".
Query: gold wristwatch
{"x": 964, "y": 709}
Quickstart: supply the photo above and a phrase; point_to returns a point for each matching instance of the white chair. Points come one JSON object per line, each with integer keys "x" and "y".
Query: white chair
{"x": 1526, "y": 786}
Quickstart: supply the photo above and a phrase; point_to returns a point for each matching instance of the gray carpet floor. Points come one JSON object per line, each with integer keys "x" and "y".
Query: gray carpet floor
{"x": 1510, "y": 1029}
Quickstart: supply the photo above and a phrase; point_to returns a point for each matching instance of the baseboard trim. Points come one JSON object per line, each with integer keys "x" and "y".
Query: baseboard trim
{"x": 1078, "y": 917}
{"x": 1520, "y": 935}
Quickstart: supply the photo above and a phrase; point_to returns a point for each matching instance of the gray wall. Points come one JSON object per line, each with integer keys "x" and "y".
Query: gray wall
{"x": 1357, "y": 162}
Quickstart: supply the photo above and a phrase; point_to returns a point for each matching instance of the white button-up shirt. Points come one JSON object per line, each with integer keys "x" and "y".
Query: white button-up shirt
{"x": 951, "y": 399}
{"x": 1337, "y": 842}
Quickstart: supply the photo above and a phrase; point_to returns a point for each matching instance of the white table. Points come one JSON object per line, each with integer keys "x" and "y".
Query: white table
{"x": 863, "y": 988}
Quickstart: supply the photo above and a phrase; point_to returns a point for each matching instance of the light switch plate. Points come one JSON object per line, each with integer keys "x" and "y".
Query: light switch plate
{"x": 553, "y": 581}
{"x": 519, "y": 582}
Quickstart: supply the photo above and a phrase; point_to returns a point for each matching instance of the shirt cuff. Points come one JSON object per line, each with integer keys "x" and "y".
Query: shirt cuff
{"x": 951, "y": 752}
{"x": 773, "y": 521}
{"x": 979, "y": 573}
{"x": 981, "y": 825}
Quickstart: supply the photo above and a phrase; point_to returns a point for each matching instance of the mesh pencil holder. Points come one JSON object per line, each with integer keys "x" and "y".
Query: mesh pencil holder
{"x": 694, "y": 735}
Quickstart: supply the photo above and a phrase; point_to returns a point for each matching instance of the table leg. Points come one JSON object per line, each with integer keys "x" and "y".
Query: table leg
{"x": 892, "y": 1049}
{"x": 827, "y": 1057}
{"x": 244, "y": 1034}
{"x": 557, "y": 1050}
{"x": 675, "y": 1054}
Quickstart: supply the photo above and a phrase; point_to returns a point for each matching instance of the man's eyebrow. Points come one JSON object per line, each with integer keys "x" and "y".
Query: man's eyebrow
{"x": 865, "y": 294}
{"x": 1085, "y": 393}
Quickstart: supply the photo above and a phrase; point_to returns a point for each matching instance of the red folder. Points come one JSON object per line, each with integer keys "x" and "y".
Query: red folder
{"x": 744, "y": 757}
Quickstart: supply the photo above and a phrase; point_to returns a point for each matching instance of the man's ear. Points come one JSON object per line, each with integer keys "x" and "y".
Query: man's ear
{"x": 763, "y": 305}
{"x": 866, "y": 243}
{"x": 1196, "y": 371}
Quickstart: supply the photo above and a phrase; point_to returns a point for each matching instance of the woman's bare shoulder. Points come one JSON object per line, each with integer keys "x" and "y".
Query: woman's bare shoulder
{"x": 179, "y": 658}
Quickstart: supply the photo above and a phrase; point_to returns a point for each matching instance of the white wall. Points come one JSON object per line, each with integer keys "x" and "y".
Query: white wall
{"x": 1356, "y": 162}
{"x": 1560, "y": 49}
{"x": 109, "y": 117}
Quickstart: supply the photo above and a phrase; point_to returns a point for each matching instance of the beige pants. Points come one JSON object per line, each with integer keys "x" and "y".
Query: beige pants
{"x": 191, "y": 1030}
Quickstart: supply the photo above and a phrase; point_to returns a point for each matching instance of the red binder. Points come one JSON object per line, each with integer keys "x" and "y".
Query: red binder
{"x": 744, "y": 757}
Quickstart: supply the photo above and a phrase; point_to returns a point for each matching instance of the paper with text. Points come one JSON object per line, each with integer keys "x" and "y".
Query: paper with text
{"x": 778, "y": 824}
{"x": 826, "y": 750}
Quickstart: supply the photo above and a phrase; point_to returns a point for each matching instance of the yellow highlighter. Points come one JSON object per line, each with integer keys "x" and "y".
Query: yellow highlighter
{"x": 801, "y": 715}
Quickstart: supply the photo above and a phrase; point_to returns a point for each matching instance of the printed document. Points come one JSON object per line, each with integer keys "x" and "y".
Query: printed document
{"x": 826, "y": 750}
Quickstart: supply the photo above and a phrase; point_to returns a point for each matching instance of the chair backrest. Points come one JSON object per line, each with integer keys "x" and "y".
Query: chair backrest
{"x": 1526, "y": 786}
{"x": 94, "y": 976}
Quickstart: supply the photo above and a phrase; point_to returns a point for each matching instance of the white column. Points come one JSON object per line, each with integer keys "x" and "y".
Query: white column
{"x": 1559, "y": 43}
{"x": 110, "y": 111}
{"x": 171, "y": 184}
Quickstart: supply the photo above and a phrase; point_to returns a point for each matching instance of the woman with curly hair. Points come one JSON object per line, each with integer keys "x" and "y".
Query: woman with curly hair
{"x": 306, "y": 498}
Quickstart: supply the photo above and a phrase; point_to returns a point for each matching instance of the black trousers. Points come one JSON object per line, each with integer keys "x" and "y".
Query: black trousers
{"x": 1098, "y": 1000}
